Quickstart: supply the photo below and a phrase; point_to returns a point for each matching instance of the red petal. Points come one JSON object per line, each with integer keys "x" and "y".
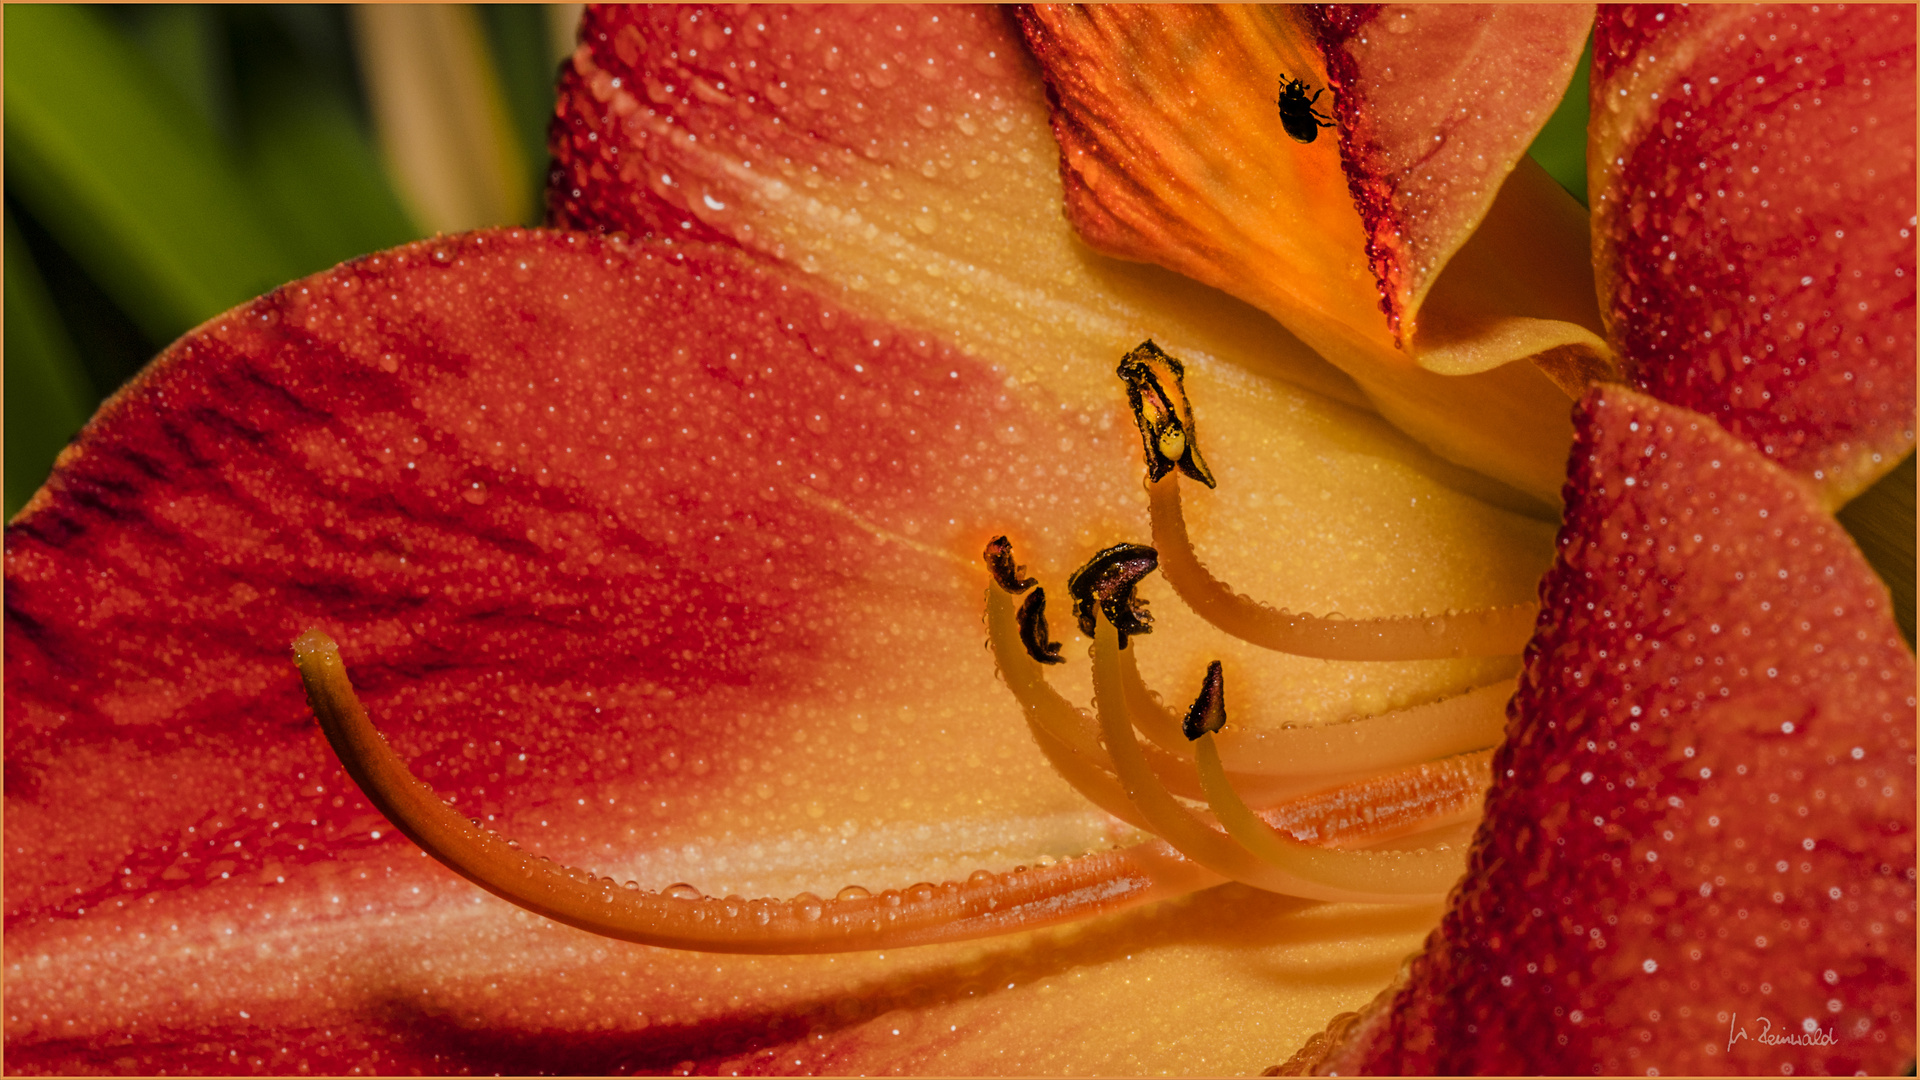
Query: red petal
{"x": 1436, "y": 104}
{"x": 1706, "y": 816}
{"x": 1753, "y": 183}
{"x": 796, "y": 94}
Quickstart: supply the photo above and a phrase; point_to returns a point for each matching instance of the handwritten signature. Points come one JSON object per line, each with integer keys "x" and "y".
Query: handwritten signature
{"x": 1810, "y": 1034}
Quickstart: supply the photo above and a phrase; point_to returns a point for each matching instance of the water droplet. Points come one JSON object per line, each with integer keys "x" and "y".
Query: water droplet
{"x": 683, "y": 891}
{"x": 981, "y": 879}
{"x": 809, "y": 906}
{"x": 851, "y": 892}
{"x": 920, "y": 892}
{"x": 631, "y": 886}
{"x": 475, "y": 494}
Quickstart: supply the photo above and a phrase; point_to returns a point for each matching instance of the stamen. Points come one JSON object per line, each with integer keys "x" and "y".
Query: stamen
{"x": 1320, "y": 874}
{"x": 1471, "y": 721}
{"x": 1488, "y": 632}
{"x": 1032, "y": 619}
{"x": 1156, "y": 388}
{"x": 1403, "y": 875}
{"x": 1209, "y": 711}
{"x": 1107, "y": 581}
{"x": 1336, "y": 752}
{"x": 986, "y": 904}
{"x": 1058, "y": 728}
{"x": 999, "y": 557}
{"x": 1071, "y": 741}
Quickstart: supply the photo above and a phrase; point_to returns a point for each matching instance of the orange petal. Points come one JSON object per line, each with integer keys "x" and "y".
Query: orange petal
{"x": 1173, "y": 151}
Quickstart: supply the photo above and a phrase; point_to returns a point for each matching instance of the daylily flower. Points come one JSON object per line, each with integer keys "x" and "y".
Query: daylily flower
{"x": 660, "y": 554}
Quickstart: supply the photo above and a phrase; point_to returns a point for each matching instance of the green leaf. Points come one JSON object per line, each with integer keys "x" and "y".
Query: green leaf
{"x": 47, "y": 397}
{"x": 1880, "y": 519}
{"x": 128, "y": 176}
{"x": 319, "y": 177}
{"x": 1561, "y": 146}
{"x": 187, "y": 44}
{"x": 519, "y": 37}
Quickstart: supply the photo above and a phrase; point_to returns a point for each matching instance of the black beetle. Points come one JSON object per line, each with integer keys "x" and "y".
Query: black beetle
{"x": 1297, "y": 113}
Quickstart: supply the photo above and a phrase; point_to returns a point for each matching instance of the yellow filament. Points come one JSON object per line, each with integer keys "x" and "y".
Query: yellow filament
{"x": 985, "y": 905}
{"x": 1055, "y": 723}
{"x": 1172, "y": 760}
{"x": 1402, "y": 875}
{"x": 1332, "y": 752}
{"x": 1488, "y": 632}
{"x": 1471, "y": 721}
{"x": 1313, "y": 873}
{"x": 1161, "y": 727}
{"x": 1072, "y": 744}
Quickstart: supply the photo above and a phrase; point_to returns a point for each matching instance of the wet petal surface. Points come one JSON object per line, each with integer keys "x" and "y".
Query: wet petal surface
{"x": 1753, "y": 181}
{"x": 658, "y": 564}
{"x": 1706, "y": 819}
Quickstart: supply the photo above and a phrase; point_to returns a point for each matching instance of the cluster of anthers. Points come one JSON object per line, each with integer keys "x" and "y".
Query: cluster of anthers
{"x": 1330, "y": 812}
{"x": 1329, "y": 794}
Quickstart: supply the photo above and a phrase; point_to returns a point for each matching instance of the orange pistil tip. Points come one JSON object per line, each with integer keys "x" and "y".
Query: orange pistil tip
{"x": 986, "y": 904}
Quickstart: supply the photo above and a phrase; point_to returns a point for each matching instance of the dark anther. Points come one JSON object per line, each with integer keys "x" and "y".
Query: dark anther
{"x": 1156, "y": 388}
{"x": 1209, "y": 711}
{"x": 1032, "y": 620}
{"x": 999, "y": 556}
{"x": 1108, "y": 580}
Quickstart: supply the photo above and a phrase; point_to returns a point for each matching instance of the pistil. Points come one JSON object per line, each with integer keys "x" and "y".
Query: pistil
{"x": 986, "y": 904}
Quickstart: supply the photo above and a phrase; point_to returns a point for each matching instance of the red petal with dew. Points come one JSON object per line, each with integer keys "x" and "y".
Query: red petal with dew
{"x": 626, "y": 548}
{"x": 1705, "y": 819}
{"x": 1435, "y": 104}
{"x": 1753, "y": 186}
{"x": 652, "y": 93}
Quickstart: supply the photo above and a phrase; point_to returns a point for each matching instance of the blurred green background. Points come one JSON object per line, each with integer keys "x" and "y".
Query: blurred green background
{"x": 165, "y": 163}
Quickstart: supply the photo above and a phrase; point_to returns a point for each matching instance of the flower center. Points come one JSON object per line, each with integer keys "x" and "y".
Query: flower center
{"x": 1406, "y": 772}
{"x": 1365, "y": 810}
